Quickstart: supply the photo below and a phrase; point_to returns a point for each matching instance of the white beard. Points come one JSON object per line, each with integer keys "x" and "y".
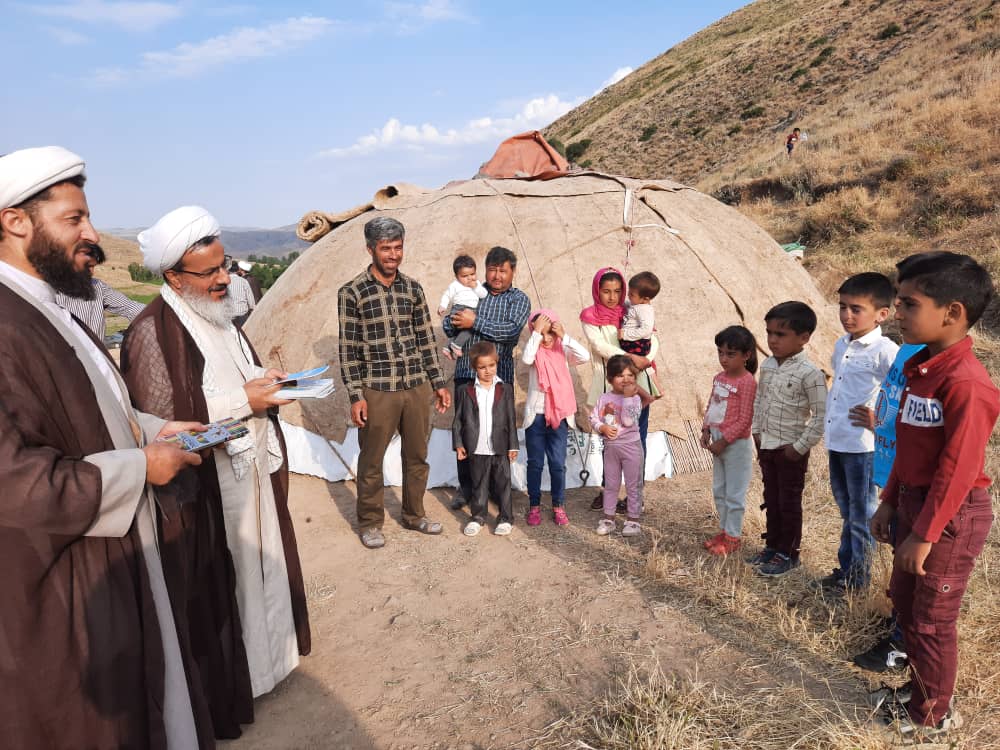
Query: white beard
{"x": 219, "y": 313}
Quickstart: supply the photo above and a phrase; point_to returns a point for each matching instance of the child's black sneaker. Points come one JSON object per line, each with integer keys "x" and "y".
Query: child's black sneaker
{"x": 885, "y": 656}
{"x": 779, "y": 565}
{"x": 763, "y": 557}
{"x": 899, "y": 729}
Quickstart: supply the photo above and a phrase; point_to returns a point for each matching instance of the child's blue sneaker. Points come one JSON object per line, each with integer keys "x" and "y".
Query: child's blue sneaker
{"x": 779, "y": 565}
{"x": 763, "y": 557}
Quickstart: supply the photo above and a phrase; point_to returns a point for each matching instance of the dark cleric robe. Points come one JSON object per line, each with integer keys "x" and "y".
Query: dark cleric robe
{"x": 89, "y": 653}
{"x": 163, "y": 367}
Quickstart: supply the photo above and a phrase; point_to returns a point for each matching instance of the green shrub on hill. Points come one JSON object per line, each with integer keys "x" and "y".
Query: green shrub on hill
{"x": 889, "y": 31}
{"x": 140, "y": 273}
{"x": 576, "y": 149}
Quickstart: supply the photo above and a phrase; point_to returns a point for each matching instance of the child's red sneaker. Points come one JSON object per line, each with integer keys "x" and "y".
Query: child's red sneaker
{"x": 560, "y": 517}
{"x": 534, "y": 516}
{"x": 713, "y": 541}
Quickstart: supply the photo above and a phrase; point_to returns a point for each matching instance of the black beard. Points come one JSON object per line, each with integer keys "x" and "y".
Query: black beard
{"x": 55, "y": 265}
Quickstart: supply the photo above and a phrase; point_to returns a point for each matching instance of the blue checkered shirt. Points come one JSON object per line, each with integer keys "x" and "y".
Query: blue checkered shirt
{"x": 499, "y": 318}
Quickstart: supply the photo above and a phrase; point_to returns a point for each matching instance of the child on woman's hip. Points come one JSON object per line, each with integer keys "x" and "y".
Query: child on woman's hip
{"x": 616, "y": 417}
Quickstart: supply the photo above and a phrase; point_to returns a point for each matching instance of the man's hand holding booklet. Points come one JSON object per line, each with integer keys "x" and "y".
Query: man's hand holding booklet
{"x": 306, "y": 384}
{"x": 216, "y": 433}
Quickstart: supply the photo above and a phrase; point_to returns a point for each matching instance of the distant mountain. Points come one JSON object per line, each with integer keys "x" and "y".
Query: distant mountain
{"x": 241, "y": 241}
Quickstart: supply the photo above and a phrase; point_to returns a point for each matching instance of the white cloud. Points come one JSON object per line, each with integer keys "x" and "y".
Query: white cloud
{"x": 412, "y": 18}
{"x": 130, "y": 16}
{"x": 67, "y": 36}
{"x": 191, "y": 58}
{"x": 616, "y": 77}
{"x": 534, "y": 114}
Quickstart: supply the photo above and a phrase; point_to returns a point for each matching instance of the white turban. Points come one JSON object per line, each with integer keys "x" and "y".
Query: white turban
{"x": 29, "y": 171}
{"x": 165, "y": 243}
{"x": 244, "y": 266}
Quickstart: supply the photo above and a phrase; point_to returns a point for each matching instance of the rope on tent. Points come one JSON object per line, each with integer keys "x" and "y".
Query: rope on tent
{"x": 517, "y": 235}
{"x": 628, "y": 224}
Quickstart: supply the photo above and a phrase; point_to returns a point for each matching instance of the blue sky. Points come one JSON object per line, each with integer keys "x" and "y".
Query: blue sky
{"x": 262, "y": 111}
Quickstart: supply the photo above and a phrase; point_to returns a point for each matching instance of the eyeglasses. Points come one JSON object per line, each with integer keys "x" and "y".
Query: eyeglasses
{"x": 202, "y": 274}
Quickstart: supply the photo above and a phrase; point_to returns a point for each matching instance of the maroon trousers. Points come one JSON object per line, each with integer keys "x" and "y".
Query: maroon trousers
{"x": 927, "y": 606}
{"x": 783, "y": 484}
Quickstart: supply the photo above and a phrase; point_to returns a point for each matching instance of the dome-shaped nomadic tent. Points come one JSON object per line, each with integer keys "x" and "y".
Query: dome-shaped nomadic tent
{"x": 716, "y": 267}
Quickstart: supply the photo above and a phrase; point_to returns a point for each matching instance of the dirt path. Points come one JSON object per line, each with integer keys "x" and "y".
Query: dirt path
{"x": 457, "y": 642}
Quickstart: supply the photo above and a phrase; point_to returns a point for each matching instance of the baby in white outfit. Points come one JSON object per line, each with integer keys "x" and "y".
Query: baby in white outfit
{"x": 463, "y": 293}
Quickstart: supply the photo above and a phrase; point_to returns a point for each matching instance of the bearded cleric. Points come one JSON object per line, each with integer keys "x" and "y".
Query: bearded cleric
{"x": 90, "y": 655}
{"x": 229, "y": 547}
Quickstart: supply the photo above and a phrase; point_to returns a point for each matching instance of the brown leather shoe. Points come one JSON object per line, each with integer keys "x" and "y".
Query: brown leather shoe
{"x": 426, "y": 526}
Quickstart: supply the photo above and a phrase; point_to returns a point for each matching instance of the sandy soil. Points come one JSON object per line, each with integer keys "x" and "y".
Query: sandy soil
{"x": 483, "y": 642}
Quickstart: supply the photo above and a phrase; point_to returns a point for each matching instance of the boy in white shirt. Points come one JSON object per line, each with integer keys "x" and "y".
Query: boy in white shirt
{"x": 861, "y": 359}
{"x": 463, "y": 293}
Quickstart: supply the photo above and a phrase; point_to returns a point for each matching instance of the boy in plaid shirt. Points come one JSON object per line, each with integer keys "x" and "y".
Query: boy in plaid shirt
{"x": 787, "y": 422}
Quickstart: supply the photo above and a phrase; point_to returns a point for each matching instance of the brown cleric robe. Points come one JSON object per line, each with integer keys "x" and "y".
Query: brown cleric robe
{"x": 87, "y": 641}
{"x": 163, "y": 367}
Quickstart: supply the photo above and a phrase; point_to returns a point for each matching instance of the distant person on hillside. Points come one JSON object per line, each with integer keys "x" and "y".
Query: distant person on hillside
{"x": 794, "y": 137}
{"x": 91, "y": 311}
{"x": 243, "y": 269}
{"x": 242, "y": 296}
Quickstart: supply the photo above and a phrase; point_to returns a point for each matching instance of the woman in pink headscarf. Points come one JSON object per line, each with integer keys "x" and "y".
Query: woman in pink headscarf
{"x": 551, "y": 401}
{"x": 601, "y": 321}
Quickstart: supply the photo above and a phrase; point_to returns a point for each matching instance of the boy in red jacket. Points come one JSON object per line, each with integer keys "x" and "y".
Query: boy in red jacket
{"x": 937, "y": 493}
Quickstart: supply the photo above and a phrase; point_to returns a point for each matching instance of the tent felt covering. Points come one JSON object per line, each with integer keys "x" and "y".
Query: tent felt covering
{"x": 716, "y": 267}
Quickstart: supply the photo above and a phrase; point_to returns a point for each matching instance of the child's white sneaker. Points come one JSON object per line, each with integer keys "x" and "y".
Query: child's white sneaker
{"x": 503, "y": 528}
{"x": 472, "y": 528}
{"x": 605, "y": 526}
{"x": 631, "y": 528}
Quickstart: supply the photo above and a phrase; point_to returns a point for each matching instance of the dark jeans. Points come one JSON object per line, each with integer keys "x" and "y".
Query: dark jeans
{"x": 490, "y": 479}
{"x": 927, "y": 606}
{"x": 545, "y": 443}
{"x": 854, "y": 492}
{"x": 407, "y": 412}
{"x": 461, "y": 338}
{"x": 784, "y": 480}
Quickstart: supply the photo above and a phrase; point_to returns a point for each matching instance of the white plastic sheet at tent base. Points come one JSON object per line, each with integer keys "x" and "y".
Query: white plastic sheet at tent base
{"x": 309, "y": 453}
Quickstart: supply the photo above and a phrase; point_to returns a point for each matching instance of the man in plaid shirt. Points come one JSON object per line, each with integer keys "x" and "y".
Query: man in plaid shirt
{"x": 389, "y": 367}
{"x": 499, "y": 319}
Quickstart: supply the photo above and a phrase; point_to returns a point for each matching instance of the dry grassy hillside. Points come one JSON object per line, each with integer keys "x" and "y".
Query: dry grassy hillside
{"x": 901, "y": 101}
